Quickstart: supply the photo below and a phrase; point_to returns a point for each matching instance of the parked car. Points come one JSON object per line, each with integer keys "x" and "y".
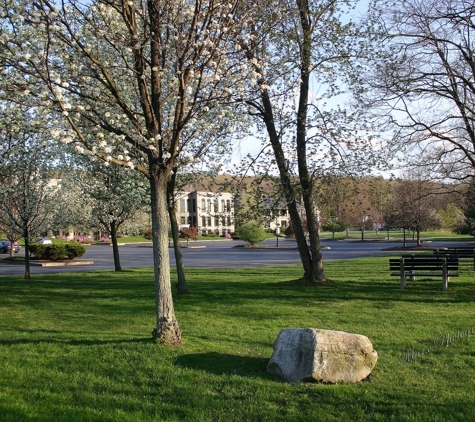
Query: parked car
{"x": 43, "y": 241}
{"x": 6, "y": 245}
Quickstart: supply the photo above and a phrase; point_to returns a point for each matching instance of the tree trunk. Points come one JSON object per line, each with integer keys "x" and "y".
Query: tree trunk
{"x": 317, "y": 273}
{"x": 418, "y": 237}
{"x": 182, "y": 287}
{"x": 167, "y": 329}
{"x": 287, "y": 187}
{"x": 115, "y": 247}
{"x": 180, "y": 265}
{"x": 26, "y": 235}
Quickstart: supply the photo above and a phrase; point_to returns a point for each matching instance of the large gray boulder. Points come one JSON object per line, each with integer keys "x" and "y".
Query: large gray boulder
{"x": 309, "y": 354}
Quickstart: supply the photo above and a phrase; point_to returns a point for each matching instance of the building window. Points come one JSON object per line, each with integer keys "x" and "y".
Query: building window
{"x": 216, "y": 221}
{"x": 209, "y": 205}
{"x": 203, "y": 204}
{"x": 216, "y": 207}
{"x": 182, "y": 220}
{"x": 223, "y": 207}
{"x": 203, "y": 221}
{"x": 229, "y": 220}
{"x": 283, "y": 223}
{"x": 223, "y": 220}
{"x": 228, "y": 205}
{"x": 182, "y": 205}
{"x": 209, "y": 221}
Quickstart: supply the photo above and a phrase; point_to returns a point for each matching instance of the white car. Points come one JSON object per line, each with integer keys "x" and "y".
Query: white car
{"x": 43, "y": 241}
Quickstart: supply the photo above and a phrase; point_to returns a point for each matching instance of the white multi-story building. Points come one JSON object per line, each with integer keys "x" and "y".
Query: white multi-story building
{"x": 207, "y": 211}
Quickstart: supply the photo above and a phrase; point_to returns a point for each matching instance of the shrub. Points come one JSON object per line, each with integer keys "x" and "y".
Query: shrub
{"x": 38, "y": 250}
{"x": 289, "y": 231}
{"x": 84, "y": 239}
{"x": 58, "y": 251}
{"x": 55, "y": 252}
{"x": 251, "y": 232}
{"x": 147, "y": 233}
{"x": 75, "y": 250}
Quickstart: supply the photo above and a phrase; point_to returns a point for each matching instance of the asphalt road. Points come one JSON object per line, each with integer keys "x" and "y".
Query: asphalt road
{"x": 217, "y": 254}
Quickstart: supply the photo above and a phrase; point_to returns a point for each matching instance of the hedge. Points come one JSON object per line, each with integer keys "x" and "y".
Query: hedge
{"x": 58, "y": 252}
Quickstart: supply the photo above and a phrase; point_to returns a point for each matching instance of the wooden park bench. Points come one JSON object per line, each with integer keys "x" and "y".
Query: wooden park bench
{"x": 465, "y": 254}
{"x": 425, "y": 266}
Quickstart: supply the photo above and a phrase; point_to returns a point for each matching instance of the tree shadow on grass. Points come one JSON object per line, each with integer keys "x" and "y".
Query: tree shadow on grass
{"x": 71, "y": 342}
{"x": 225, "y": 364}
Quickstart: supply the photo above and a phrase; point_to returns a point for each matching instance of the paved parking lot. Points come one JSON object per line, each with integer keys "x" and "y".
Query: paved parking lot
{"x": 216, "y": 254}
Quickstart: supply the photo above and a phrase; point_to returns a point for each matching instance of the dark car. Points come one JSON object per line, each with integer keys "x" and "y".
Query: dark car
{"x": 5, "y": 246}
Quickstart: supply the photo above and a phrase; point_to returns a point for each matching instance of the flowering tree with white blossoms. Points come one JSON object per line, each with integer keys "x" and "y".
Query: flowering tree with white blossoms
{"x": 28, "y": 191}
{"x": 117, "y": 195}
{"x": 143, "y": 84}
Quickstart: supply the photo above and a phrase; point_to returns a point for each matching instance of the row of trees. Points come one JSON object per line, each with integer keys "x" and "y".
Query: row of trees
{"x": 40, "y": 191}
{"x": 367, "y": 203}
{"x": 407, "y": 203}
{"x": 155, "y": 86}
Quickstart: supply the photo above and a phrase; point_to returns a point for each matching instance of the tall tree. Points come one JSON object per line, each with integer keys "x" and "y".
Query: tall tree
{"x": 421, "y": 81}
{"x": 296, "y": 47}
{"x": 147, "y": 85}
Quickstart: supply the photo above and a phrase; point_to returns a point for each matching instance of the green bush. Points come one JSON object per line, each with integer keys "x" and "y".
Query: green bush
{"x": 55, "y": 252}
{"x": 75, "y": 250}
{"x": 58, "y": 252}
{"x": 38, "y": 250}
{"x": 251, "y": 232}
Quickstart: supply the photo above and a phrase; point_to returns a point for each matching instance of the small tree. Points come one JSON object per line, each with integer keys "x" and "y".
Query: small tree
{"x": 333, "y": 226}
{"x": 189, "y": 233}
{"x": 28, "y": 190}
{"x": 252, "y": 233}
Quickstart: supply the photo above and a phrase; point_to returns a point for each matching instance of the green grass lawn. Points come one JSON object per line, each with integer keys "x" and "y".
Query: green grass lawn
{"x": 76, "y": 347}
{"x": 398, "y": 234}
